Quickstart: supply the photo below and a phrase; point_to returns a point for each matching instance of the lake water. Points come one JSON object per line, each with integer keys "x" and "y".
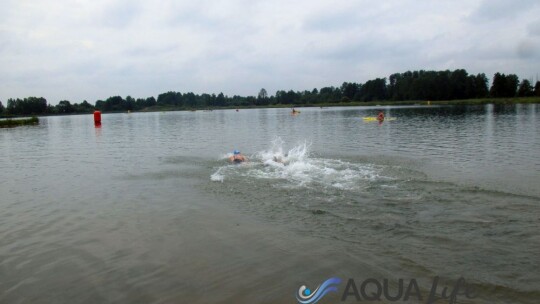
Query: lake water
{"x": 146, "y": 209}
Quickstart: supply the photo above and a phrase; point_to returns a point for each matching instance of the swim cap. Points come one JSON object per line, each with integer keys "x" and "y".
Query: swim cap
{"x": 236, "y": 152}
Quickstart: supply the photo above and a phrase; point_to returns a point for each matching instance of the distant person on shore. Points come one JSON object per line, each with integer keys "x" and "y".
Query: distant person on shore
{"x": 237, "y": 157}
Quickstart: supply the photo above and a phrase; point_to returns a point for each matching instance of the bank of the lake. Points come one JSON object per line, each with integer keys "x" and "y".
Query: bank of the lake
{"x": 169, "y": 108}
{"x": 460, "y": 102}
{"x": 10, "y": 123}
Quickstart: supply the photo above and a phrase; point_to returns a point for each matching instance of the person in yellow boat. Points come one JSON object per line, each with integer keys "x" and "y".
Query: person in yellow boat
{"x": 380, "y": 117}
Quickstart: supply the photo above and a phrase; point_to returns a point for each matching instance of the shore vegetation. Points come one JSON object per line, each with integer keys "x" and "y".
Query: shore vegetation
{"x": 10, "y": 123}
{"x": 411, "y": 87}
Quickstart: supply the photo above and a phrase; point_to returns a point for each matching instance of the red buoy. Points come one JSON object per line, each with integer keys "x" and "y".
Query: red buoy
{"x": 97, "y": 117}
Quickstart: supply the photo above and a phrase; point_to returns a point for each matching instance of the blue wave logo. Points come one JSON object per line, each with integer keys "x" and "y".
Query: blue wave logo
{"x": 307, "y": 296}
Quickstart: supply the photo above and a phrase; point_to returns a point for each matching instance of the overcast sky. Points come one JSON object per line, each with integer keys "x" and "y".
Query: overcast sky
{"x": 88, "y": 50}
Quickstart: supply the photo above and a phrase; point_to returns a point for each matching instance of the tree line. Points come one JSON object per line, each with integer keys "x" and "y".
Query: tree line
{"x": 415, "y": 85}
{"x": 39, "y": 105}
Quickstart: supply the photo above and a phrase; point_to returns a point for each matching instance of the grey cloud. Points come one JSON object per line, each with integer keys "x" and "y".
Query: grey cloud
{"x": 332, "y": 21}
{"x": 528, "y": 49}
{"x": 534, "y": 28}
{"x": 367, "y": 50}
{"x": 150, "y": 50}
{"x": 193, "y": 18}
{"x": 141, "y": 48}
{"x": 490, "y": 10}
{"x": 120, "y": 14}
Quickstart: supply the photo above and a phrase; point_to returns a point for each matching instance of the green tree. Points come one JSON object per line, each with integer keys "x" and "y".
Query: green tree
{"x": 512, "y": 82}
{"x": 537, "y": 89}
{"x": 83, "y": 107}
{"x": 170, "y": 98}
{"x": 151, "y": 101}
{"x": 114, "y": 103}
{"x": 504, "y": 85}
{"x": 128, "y": 104}
{"x": 329, "y": 94}
{"x": 394, "y": 81}
{"x": 262, "y": 94}
{"x": 1, "y": 108}
{"x": 281, "y": 97}
{"x": 52, "y": 109}
{"x": 205, "y": 100}
{"x": 292, "y": 97}
{"x": 481, "y": 86}
{"x": 289, "y": 97}
{"x": 497, "y": 86}
{"x": 262, "y": 98}
{"x": 220, "y": 100}
{"x": 64, "y": 107}
{"x": 374, "y": 90}
{"x": 307, "y": 97}
{"x": 250, "y": 100}
{"x": 27, "y": 106}
{"x": 100, "y": 104}
{"x": 142, "y": 103}
{"x": 190, "y": 100}
{"x": 458, "y": 84}
{"x": 525, "y": 89}
{"x": 212, "y": 100}
{"x": 348, "y": 90}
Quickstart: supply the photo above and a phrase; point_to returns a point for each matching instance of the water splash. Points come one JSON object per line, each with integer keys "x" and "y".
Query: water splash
{"x": 276, "y": 156}
{"x": 217, "y": 176}
{"x": 296, "y": 168}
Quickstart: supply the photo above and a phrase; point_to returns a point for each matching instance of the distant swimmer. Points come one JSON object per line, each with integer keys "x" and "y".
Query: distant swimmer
{"x": 237, "y": 157}
{"x": 294, "y": 111}
{"x": 380, "y": 117}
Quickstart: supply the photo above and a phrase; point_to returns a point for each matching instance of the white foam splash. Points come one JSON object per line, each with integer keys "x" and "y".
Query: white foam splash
{"x": 277, "y": 158}
{"x": 298, "y": 169}
{"x": 217, "y": 176}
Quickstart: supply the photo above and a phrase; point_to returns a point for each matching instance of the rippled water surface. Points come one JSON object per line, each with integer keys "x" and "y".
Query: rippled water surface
{"x": 146, "y": 209}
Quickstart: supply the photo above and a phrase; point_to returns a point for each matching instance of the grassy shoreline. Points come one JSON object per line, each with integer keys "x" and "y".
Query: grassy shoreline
{"x": 10, "y": 123}
{"x": 460, "y": 102}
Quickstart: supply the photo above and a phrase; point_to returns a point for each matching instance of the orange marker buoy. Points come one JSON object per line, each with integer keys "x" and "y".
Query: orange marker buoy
{"x": 97, "y": 117}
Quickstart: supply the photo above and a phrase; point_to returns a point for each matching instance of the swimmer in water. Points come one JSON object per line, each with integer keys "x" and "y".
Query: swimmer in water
{"x": 237, "y": 157}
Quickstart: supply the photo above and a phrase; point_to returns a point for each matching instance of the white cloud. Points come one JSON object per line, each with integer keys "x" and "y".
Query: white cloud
{"x": 91, "y": 50}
